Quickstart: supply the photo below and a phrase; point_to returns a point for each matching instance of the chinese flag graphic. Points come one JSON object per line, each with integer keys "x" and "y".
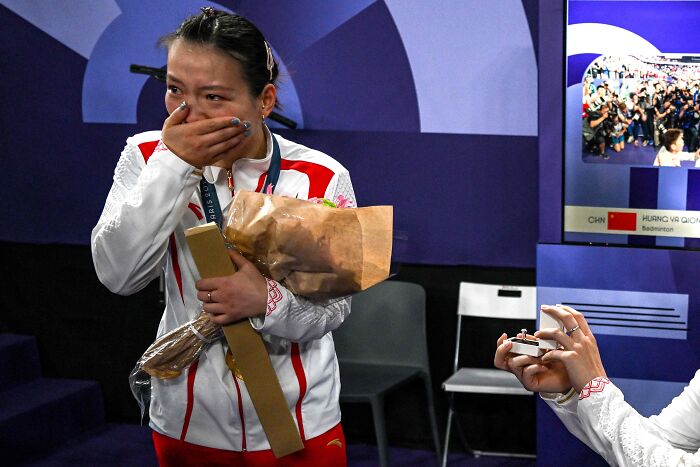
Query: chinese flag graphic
{"x": 622, "y": 221}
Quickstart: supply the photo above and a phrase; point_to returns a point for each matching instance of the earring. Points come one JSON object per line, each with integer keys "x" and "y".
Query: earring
{"x": 263, "y": 115}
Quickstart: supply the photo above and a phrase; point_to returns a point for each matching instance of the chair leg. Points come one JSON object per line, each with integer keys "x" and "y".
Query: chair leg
{"x": 460, "y": 432}
{"x": 465, "y": 444}
{"x": 431, "y": 414}
{"x": 448, "y": 429}
{"x": 380, "y": 430}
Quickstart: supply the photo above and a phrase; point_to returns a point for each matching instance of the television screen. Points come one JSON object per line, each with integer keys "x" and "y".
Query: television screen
{"x": 632, "y": 111}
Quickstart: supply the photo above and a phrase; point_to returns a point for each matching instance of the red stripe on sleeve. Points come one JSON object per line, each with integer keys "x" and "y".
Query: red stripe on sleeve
{"x": 190, "y": 398}
{"x": 301, "y": 378}
{"x": 176, "y": 265}
{"x": 147, "y": 149}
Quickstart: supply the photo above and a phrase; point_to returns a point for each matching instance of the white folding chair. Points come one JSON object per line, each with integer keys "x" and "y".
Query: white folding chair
{"x": 487, "y": 301}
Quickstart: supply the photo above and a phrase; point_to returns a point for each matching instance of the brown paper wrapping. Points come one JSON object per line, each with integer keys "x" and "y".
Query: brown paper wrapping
{"x": 313, "y": 250}
{"x": 173, "y": 352}
{"x": 246, "y": 345}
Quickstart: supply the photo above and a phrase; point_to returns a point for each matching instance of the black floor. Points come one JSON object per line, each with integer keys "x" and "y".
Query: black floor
{"x": 129, "y": 445}
{"x": 363, "y": 455}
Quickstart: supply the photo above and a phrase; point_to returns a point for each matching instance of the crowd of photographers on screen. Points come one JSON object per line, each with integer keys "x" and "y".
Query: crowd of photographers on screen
{"x": 637, "y": 105}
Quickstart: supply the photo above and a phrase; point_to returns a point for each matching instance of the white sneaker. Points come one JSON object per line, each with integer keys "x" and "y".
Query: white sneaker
{"x": 630, "y": 139}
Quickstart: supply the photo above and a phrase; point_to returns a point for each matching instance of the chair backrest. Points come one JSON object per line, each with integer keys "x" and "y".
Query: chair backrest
{"x": 493, "y": 301}
{"x": 497, "y": 301}
{"x": 386, "y": 326}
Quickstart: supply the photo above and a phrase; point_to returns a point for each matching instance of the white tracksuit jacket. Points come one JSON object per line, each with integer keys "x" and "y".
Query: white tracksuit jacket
{"x": 154, "y": 198}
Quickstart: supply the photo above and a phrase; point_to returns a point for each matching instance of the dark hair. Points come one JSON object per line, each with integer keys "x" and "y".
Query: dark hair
{"x": 671, "y": 136}
{"x": 234, "y": 35}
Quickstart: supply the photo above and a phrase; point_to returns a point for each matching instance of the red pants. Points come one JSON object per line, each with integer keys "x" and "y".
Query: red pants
{"x": 326, "y": 450}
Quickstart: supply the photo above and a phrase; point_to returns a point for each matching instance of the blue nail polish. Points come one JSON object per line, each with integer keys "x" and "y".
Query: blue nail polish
{"x": 246, "y": 133}
{"x": 246, "y": 125}
{"x": 235, "y": 121}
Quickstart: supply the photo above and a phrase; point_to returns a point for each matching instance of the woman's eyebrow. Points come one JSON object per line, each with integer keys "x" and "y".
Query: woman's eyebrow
{"x": 209, "y": 87}
{"x": 216, "y": 87}
{"x": 171, "y": 77}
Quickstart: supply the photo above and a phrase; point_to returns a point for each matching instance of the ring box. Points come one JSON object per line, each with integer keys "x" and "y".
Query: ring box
{"x": 526, "y": 347}
{"x": 536, "y": 347}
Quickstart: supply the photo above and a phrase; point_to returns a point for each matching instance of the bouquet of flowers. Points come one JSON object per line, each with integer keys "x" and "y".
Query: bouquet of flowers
{"x": 311, "y": 248}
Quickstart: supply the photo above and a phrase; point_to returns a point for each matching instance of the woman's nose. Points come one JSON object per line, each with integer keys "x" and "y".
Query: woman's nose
{"x": 196, "y": 113}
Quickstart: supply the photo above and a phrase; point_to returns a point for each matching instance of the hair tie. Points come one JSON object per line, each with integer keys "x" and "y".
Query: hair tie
{"x": 270, "y": 59}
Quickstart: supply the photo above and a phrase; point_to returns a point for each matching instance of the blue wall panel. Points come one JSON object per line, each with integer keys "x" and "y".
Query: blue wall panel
{"x": 428, "y": 119}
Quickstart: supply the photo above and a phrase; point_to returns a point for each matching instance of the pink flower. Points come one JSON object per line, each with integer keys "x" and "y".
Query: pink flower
{"x": 343, "y": 202}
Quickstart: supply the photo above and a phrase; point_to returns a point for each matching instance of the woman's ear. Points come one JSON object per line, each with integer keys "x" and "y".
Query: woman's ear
{"x": 268, "y": 99}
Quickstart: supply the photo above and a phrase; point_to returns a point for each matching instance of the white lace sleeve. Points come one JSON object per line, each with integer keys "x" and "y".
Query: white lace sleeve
{"x": 623, "y": 437}
{"x": 680, "y": 421}
{"x": 565, "y": 408}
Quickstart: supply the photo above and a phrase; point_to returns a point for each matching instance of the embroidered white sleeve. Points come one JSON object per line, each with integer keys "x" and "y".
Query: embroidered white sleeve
{"x": 143, "y": 207}
{"x": 298, "y": 319}
{"x": 622, "y": 436}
